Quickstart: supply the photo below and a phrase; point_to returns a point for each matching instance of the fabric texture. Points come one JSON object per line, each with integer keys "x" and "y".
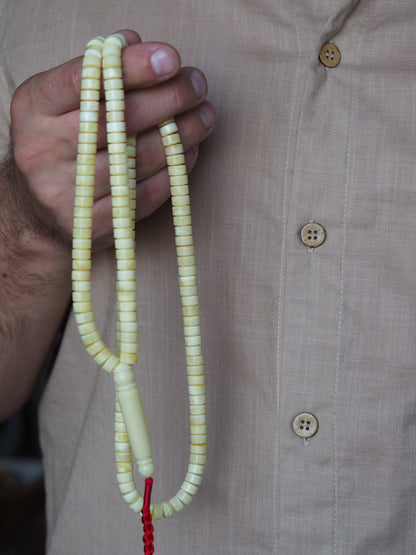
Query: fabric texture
{"x": 286, "y": 328}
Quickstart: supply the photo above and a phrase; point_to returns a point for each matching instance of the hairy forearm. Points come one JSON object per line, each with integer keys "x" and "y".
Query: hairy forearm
{"x": 34, "y": 290}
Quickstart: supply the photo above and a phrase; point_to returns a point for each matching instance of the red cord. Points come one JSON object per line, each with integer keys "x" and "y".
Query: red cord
{"x": 147, "y": 519}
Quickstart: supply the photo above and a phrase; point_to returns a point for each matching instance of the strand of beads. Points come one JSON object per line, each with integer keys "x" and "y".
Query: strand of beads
{"x": 131, "y": 432}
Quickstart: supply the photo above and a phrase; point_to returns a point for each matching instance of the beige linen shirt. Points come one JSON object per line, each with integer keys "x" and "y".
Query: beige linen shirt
{"x": 287, "y": 329}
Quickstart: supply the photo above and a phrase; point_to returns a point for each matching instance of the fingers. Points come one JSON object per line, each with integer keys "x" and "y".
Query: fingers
{"x": 146, "y": 108}
{"x": 56, "y": 92}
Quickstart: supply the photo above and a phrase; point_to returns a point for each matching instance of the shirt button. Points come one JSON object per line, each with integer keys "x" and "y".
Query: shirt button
{"x": 305, "y": 425}
{"x": 313, "y": 234}
{"x": 329, "y": 55}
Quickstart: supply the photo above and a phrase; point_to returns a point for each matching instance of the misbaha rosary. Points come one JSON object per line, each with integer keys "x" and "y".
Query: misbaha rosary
{"x": 131, "y": 433}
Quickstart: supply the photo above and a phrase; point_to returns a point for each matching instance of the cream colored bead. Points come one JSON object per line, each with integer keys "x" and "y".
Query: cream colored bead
{"x": 188, "y": 290}
{"x": 81, "y": 286}
{"x": 136, "y": 506}
{"x": 81, "y": 254}
{"x": 176, "y": 504}
{"x": 177, "y": 160}
{"x": 198, "y": 449}
{"x": 184, "y": 496}
{"x": 87, "y": 328}
{"x": 90, "y": 95}
{"x": 88, "y": 129}
{"x": 174, "y": 150}
{"x": 185, "y": 281}
{"x": 192, "y": 341}
{"x": 124, "y": 477}
{"x": 84, "y": 317}
{"x": 195, "y": 371}
{"x": 110, "y": 363}
{"x": 115, "y": 107}
{"x": 128, "y": 487}
{"x": 197, "y": 459}
{"x": 191, "y": 489}
{"x": 83, "y": 265}
{"x": 101, "y": 357}
{"x": 129, "y": 326}
{"x": 81, "y": 296}
{"x": 85, "y": 202}
{"x": 157, "y": 511}
{"x": 177, "y": 170}
{"x": 82, "y": 212}
{"x": 180, "y": 200}
{"x": 197, "y": 408}
{"x": 82, "y": 222}
{"x": 195, "y": 361}
{"x": 123, "y": 233}
{"x": 127, "y": 306}
{"x": 114, "y": 96}
{"x": 87, "y": 137}
{"x": 82, "y": 308}
{"x": 113, "y": 85}
{"x": 190, "y": 301}
{"x": 183, "y": 230}
{"x": 181, "y": 210}
{"x": 89, "y": 117}
{"x": 196, "y": 468}
{"x": 112, "y": 73}
{"x": 168, "y": 510}
{"x": 182, "y": 220}
{"x": 192, "y": 478}
{"x": 128, "y": 358}
{"x": 198, "y": 429}
{"x": 122, "y": 456}
{"x": 84, "y": 190}
{"x": 122, "y": 467}
{"x": 116, "y": 137}
{"x": 186, "y": 261}
{"x": 171, "y": 139}
{"x": 167, "y": 128}
{"x": 190, "y": 310}
{"x": 176, "y": 180}
{"x": 184, "y": 241}
{"x": 90, "y": 338}
{"x": 191, "y": 330}
{"x": 118, "y": 169}
{"x": 197, "y": 390}
{"x": 127, "y": 337}
{"x": 118, "y": 128}
{"x": 196, "y": 380}
{"x": 197, "y": 400}
{"x": 90, "y": 84}
{"x": 198, "y": 439}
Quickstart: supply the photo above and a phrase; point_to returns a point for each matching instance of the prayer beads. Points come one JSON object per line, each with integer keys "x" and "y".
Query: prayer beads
{"x": 131, "y": 433}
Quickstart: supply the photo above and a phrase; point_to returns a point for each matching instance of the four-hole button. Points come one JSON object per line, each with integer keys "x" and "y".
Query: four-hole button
{"x": 330, "y": 55}
{"x": 305, "y": 425}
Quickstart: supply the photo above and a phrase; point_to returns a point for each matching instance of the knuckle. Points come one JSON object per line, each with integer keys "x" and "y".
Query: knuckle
{"x": 173, "y": 97}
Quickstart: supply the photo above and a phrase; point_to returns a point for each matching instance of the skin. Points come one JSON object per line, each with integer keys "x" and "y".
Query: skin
{"x": 37, "y": 188}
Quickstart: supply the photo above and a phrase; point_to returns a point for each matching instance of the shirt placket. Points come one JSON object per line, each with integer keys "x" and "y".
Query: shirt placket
{"x": 312, "y": 289}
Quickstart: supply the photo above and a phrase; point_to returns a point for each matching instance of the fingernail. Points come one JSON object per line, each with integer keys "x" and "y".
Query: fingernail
{"x": 162, "y": 62}
{"x": 198, "y": 83}
{"x": 207, "y": 116}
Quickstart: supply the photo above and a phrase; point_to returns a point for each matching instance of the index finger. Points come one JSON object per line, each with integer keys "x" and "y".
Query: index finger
{"x": 57, "y": 91}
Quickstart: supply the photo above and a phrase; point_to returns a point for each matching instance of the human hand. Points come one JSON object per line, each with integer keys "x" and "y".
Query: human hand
{"x": 44, "y": 131}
